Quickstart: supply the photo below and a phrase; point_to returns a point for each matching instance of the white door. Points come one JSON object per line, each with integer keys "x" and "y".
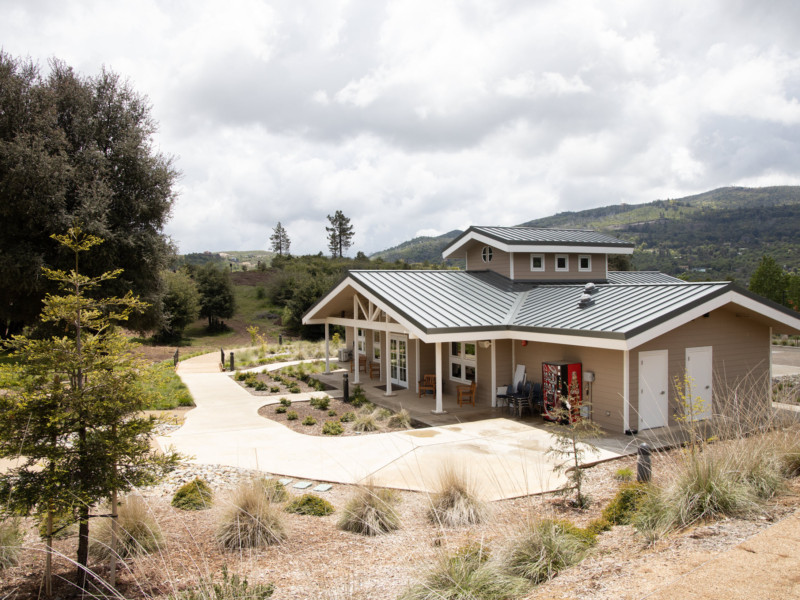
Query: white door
{"x": 653, "y": 388}
{"x": 698, "y": 381}
{"x": 398, "y": 356}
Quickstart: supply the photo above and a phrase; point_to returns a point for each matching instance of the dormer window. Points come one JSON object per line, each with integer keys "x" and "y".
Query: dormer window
{"x": 537, "y": 262}
{"x": 486, "y": 254}
{"x": 584, "y": 263}
{"x": 562, "y": 262}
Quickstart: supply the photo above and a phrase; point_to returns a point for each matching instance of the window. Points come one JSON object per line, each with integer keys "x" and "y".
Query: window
{"x": 376, "y": 345}
{"x": 537, "y": 262}
{"x": 486, "y": 254}
{"x": 361, "y": 341}
{"x": 584, "y": 262}
{"x": 463, "y": 361}
{"x": 562, "y": 262}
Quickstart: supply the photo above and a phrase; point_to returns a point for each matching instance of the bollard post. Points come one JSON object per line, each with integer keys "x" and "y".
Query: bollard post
{"x": 231, "y": 355}
{"x": 175, "y": 358}
{"x": 346, "y": 386}
{"x": 644, "y": 466}
{"x": 280, "y": 339}
{"x": 222, "y": 357}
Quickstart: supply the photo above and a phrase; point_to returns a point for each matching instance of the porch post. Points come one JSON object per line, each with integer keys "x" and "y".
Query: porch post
{"x": 626, "y": 394}
{"x": 388, "y": 361}
{"x": 416, "y": 373}
{"x": 439, "y": 410}
{"x": 356, "y": 355}
{"x": 327, "y": 349}
{"x": 494, "y": 372}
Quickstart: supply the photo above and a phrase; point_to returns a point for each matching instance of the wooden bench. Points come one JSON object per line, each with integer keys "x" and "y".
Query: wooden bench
{"x": 427, "y": 385}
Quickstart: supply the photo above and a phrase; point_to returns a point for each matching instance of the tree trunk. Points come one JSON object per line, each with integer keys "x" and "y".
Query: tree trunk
{"x": 83, "y": 547}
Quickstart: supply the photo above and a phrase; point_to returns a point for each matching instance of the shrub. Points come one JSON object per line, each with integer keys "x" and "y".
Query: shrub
{"x": 230, "y": 588}
{"x": 400, "y": 419}
{"x": 347, "y": 417}
{"x": 291, "y": 415}
{"x": 285, "y": 402}
{"x": 138, "y": 533}
{"x": 597, "y": 526}
{"x": 545, "y": 548}
{"x": 240, "y": 376}
{"x": 251, "y": 521}
{"x": 260, "y": 386}
{"x": 370, "y": 512}
{"x": 194, "y": 495}
{"x": 466, "y": 575}
{"x": 623, "y": 474}
{"x": 274, "y": 389}
{"x": 10, "y": 542}
{"x": 455, "y": 503}
{"x": 365, "y": 423}
{"x": 331, "y": 413}
{"x": 624, "y": 505}
{"x": 294, "y": 389}
{"x": 359, "y": 397}
{"x": 310, "y": 504}
{"x": 280, "y": 409}
{"x": 309, "y": 420}
{"x": 321, "y": 403}
{"x": 382, "y": 414}
{"x": 332, "y": 428}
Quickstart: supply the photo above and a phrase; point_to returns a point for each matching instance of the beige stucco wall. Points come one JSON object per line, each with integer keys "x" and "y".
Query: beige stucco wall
{"x": 500, "y": 260}
{"x": 740, "y": 359}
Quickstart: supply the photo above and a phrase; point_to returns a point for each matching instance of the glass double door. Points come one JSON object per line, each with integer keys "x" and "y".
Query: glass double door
{"x": 398, "y": 361}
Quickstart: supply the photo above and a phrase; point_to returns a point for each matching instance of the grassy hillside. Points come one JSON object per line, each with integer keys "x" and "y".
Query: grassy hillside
{"x": 715, "y": 235}
{"x": 419, "y": 250}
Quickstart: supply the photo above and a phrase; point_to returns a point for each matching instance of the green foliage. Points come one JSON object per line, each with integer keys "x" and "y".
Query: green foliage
{"x": 332, "y": 428}
{"x": 79, "y": 149}
{"x": 285, "y": 402}
{"x": 467, "y": 575}
{"x": 331, "y": 413}
{"x": 546, "y": 547}
{"x": 320, "y": 403}
{"x": 162, "y": 389}
{"x": 623, "y": 507}
{"x": 181, "y": 305}
{"x": 251, "y": 521}
{"x": 358, "y": 397}
{"x": 623, "y": 474}
{"x": 138, "y": 532}
{"x": 194, "y": 495}
{"x": 280, "y": 409}
{"x": 279, "y": 240}
{"x": 11, "y": 537}
{"x": 310, "y": 505}
{"x": 347, "y": 417}
{"x": 309, "y": 420}
{"x": 370, "y": 512}
{"x": 75, "y": 414}
{"x": 217, "y": 299}
{"x": 231, "y": 587}
{"x": 769, "y": 280}
{"x": 340, "y": 234}
{"x": 382, "y": 414}
{"x": 294, "y": 389}
{"x": 65, "y": 524}
{"x": 291, "y": 415}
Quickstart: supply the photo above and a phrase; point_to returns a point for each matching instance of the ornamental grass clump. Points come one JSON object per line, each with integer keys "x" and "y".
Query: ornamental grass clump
{"x": 10, "y": 542}
{"x": 137, "y": 531}
{"x": 310, "y": 504}
{"x": 194, "y": 495}
{"x": 365, "y": 423}
{"x": 467, "y": 574}
{"x": 455, "y": 502}
{"x": 401, "y": 419}
{"x": 251, "y": 521}
{"x": 545, "y": 548}
{"x": 232, "y": 587}
{"x": 273, "y": 490}
{"x": 370, "y": 512}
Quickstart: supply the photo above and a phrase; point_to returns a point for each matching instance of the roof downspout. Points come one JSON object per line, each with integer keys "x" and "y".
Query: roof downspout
{"x": 626, "y": 392}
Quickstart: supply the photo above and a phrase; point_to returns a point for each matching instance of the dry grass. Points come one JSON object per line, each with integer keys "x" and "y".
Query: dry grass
{"x": 251, "y": 521}
{"x": 10, "y": 542}
{"x": 543, "y": 549}
{"x": 138, "y": 533}
{"x": 455, "y": 502}
{"x": 370, "y": 512}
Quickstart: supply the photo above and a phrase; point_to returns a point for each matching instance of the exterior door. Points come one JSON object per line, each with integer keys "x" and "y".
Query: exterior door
{"x": 699, "y": 381}
{"x": 398, "y": 357}
{"x": 653, "y": 386}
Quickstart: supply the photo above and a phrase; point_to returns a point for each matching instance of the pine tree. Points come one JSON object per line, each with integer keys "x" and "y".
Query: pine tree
{"x": 340, "y": 234}
{"x": 74, "y": 413}
{"x": 280, "y": 240}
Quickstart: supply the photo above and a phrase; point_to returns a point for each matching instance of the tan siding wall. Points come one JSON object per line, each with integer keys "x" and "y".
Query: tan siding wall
{"x": 483, "y": 393}
{"x": 606, "y": 391}
{"x": 505, "y": 370}
{"x": 500, "y": 260}
{"x": 740, "y": 355}
{"x": 522, "y": 267}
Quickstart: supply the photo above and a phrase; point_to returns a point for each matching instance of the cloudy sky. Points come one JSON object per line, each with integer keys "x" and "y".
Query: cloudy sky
{"x": 418, "y": 117}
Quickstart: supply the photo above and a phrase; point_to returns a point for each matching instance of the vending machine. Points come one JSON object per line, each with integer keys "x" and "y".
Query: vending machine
{"x": 561, "y": 381}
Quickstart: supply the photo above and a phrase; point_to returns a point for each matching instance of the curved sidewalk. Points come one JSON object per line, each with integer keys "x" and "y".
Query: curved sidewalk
{"x": 507, "y": 459}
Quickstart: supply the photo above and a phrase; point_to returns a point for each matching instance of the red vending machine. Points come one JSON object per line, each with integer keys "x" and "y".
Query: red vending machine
{"x": 561, "y": 380}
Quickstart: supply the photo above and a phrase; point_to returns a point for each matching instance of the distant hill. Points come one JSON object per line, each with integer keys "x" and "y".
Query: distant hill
{"x": 238, "y": 260}
{"x": 419, "y": 250}
{"x": 714, "y": 235}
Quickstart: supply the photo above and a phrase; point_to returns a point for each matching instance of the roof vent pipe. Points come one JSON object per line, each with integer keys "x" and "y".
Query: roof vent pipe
{"x": 585, "y": 301}
{"x": 589, "y": 288}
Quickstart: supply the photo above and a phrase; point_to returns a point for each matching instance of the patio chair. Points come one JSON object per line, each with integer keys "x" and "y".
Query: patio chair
{"x": 537, "y": 399}
{"x": 466, "y": 393}
{"x": 362, "y": 363}
{"x": 374, "y": 370}
{"x": 427, "y": 385}
{"x": 525, "y": 401}
{"x": 521, "y": 399}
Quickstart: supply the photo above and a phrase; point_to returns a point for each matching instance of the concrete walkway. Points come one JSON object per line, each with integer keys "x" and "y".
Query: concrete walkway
{"x": 505, "y": 458}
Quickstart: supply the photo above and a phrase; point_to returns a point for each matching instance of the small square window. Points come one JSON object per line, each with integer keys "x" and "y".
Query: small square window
{"x": 537, "y": 262}
{"x": 584, "y": 263}
{"x": 562, "y": 262}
